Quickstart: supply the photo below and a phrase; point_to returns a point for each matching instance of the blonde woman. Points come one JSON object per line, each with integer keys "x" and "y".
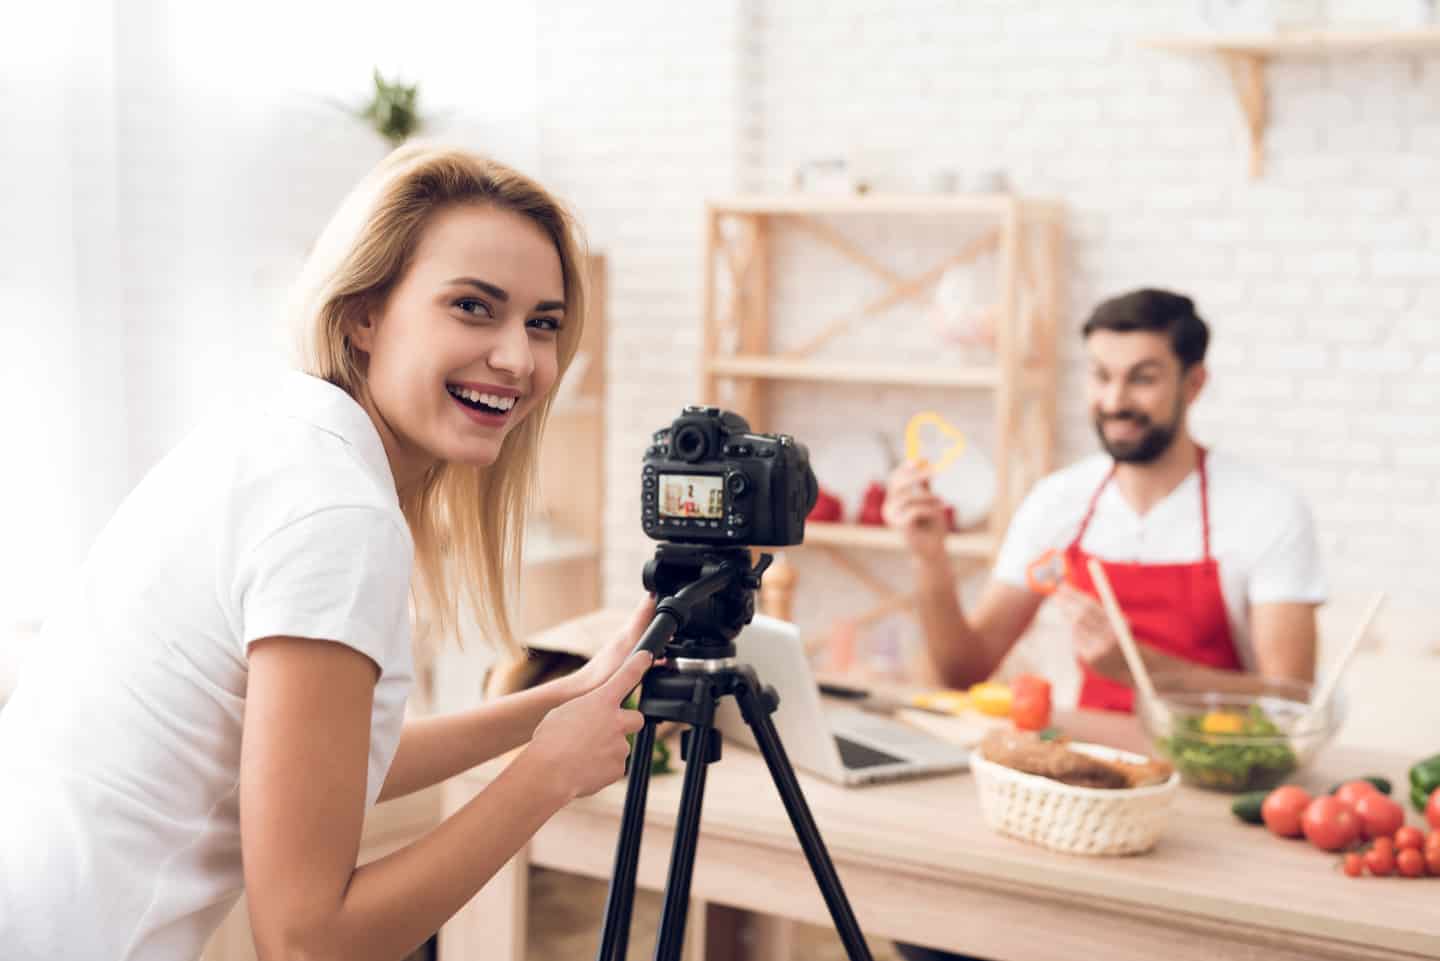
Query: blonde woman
{"x": 222, "y": 701}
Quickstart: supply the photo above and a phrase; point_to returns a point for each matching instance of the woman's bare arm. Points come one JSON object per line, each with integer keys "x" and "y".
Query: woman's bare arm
{"x": 433, "y": 749}
{"x": 302, "y": 804}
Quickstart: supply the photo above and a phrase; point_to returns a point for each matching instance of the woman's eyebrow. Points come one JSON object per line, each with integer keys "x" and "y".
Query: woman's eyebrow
{"x": 500, "y": 294}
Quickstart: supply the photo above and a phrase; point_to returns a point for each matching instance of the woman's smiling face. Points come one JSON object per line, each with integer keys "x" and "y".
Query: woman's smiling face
{"x": 467, "y": 344}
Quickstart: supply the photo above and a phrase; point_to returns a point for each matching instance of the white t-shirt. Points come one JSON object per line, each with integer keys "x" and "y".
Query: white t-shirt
{"x": 1261, "y": 533}
{"x": 120, "y": 748}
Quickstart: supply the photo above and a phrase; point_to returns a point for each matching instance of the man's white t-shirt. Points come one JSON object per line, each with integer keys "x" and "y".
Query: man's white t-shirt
{"x": 1261, "y": 533}
{"x": 120, "y": 748}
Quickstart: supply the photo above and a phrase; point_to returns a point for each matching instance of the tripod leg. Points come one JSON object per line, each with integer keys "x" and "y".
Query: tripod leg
{"x": 615, "y": 935}
{"x": 758, "y": 717}
{"x": 702, "y": 747}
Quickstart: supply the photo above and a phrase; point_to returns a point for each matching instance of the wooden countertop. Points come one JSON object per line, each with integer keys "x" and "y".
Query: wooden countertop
{"x": 1210, "y": 878}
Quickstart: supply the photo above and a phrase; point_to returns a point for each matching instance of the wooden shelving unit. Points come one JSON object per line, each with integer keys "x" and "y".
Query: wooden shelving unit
{"x": 1246, "y": 56}
{"x": 738, "y": 365}
{"x": 967, "y": 545}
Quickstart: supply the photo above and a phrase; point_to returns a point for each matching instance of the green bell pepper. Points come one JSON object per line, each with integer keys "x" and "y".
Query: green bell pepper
{"x": 1424, "y": 779}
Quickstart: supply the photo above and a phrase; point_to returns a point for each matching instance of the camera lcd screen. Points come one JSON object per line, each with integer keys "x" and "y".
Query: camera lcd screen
{"x": 692, "y": 495}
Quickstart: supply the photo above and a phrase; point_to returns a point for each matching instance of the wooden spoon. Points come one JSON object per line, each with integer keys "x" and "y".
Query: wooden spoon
{"x": 1321, "y": 701}
{"x": 1128, "y": 647}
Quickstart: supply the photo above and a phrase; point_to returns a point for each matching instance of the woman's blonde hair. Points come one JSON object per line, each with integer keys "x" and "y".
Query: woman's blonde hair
{"x": 468, "y": 523}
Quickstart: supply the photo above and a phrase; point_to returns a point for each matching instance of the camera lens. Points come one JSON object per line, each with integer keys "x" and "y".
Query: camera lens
{"x": 689, "y": 443}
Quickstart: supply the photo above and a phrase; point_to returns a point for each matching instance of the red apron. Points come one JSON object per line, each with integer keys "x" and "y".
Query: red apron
{"x": 1177, "y": 609}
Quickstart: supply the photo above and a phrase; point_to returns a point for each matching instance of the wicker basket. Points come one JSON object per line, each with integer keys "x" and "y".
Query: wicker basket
{"x": 1075, "y": 820}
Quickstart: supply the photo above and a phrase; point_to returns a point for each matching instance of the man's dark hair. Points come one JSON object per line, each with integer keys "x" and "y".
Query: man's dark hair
{"x": 1159, "y": 311}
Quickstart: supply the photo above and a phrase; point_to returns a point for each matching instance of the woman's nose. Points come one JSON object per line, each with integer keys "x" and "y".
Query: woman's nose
{"x": 511, "y": 353}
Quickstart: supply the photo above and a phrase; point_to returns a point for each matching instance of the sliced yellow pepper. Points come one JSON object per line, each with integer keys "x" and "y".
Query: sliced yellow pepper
{"x": 1222, "y": 722}
{"x": 913, "y": 443}
{"x": 992, "y": 698}
{"x": 951, "y": 702}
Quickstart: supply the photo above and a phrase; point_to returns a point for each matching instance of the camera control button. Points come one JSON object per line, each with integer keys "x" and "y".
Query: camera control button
{"x": 738, "y": 484}
{"x": 648, "y": 471}
{"x": 766, "y": 452}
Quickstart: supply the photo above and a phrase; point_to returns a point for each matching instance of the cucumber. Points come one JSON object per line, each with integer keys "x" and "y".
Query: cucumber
{"x": 1381, "y": 784}
{"x": 1246, "y": 807}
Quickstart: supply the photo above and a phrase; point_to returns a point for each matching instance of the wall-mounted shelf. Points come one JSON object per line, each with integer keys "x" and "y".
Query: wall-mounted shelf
{"x": 1246, "y": 56}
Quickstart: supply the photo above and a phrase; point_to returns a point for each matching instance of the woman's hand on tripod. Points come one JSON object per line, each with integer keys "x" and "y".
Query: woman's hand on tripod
{"x": 582, "y": 743}
{"x": 612, "y": 655}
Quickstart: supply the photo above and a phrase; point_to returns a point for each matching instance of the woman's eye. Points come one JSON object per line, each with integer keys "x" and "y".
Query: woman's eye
{"x": 551, "y": 324}
{"x": 469, "y": 305}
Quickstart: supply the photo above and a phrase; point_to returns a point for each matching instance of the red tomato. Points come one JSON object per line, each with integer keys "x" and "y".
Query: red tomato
{"x": 1432, "y": 841}
{"x": 1432, "y": 857}
{"x": 1379, "y": 816}
{"x": 1385, "y": 844}
{"x": 1282, "y": 808}
{"x": 1329, "y": 825}
{"x": 1354, "y": 864}
{"x": 1432, "y": 809}
{"x": 1411, "y": 863}
{"x": 1030, "y": 703}
{"x": 1380, "y": 861}
{"x": 1352, "y": 791}
{"x": 1408, "y": 837}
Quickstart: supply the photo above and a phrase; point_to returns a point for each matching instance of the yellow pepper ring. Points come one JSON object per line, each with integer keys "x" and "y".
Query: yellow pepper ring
{"x": 912, "y": 438}
{"x": 1222, "y": 722}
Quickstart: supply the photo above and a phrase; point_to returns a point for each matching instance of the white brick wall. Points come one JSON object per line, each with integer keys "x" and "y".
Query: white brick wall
{"x": 640, "y": 121}
{"x": 1321, "y": 281}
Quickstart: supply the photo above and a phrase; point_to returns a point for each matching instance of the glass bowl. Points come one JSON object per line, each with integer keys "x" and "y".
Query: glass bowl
{"x": 1250, "y": 737}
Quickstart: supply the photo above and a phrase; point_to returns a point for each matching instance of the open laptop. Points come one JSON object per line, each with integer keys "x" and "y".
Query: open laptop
{"x": 844, "y": 745}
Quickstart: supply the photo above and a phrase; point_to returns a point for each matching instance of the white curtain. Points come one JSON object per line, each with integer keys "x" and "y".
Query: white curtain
{"x": 63, "y": 364}
{"x": 164, "y": 167}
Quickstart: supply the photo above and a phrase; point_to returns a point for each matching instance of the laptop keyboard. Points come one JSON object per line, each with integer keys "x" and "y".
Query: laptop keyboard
{"x": 856, "y": 756}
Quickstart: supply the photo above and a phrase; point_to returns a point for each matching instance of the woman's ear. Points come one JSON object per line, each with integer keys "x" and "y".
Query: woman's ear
{"x": 360, "y": 326}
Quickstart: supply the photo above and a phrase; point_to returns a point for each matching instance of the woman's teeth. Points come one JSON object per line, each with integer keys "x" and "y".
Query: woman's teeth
{"x": 475, "y": 398}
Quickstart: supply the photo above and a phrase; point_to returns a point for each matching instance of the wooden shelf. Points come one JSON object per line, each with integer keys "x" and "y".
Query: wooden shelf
{"x": 1021, "y": 240}
{"x": 1303, "y": 43}
{"x": 995, "y": 204}
{"x": 979, "y": 545}
{"x": 1246, "y": 56}
{"x": 779, "y": 368}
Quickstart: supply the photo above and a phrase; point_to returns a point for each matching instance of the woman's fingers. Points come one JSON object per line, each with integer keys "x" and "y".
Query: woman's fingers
{"x": 623, "y": 681}
{"x": 640, "y": 619}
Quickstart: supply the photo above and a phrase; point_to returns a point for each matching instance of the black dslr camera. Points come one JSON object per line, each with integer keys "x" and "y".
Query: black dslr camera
{"x": 708, "y": 480}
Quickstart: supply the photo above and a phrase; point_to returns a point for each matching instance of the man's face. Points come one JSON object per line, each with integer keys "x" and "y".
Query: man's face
{"x": 1137, "y": 393}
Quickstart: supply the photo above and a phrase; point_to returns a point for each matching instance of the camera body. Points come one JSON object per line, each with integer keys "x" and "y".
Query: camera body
{"x": 708, "y": 479}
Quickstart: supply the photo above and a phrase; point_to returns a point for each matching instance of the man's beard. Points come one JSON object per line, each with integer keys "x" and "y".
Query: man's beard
{"x": 1149, "y": 446}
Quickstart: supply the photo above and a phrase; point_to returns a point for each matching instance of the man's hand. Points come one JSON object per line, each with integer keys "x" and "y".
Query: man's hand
{"x": 913, "y": 510}
{"x": 606, "y": 660}
{"x": 1095, "y": 642}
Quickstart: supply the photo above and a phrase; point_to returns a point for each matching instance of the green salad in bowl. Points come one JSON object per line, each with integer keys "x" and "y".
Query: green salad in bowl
{"x": 1247, "y": 739}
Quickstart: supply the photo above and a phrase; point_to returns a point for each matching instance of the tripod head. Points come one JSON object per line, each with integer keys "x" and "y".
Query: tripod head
{"x": 706, "y": 596}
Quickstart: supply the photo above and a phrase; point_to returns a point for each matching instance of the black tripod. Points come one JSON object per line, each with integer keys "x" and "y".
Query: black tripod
{"x": 707, "y": 596}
